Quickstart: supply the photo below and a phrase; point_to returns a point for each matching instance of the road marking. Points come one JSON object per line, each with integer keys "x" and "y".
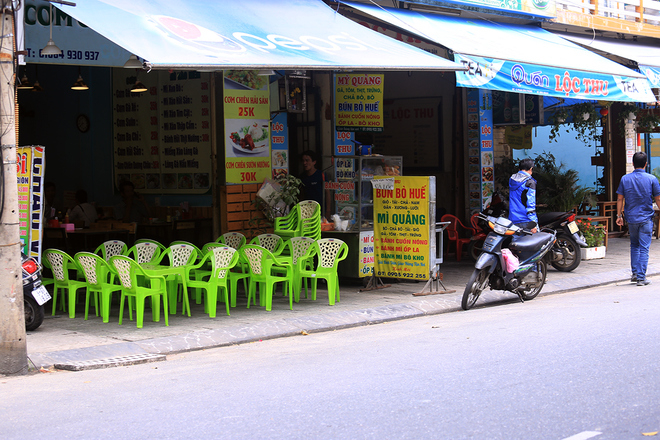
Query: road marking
{"x": 583, "y": 435}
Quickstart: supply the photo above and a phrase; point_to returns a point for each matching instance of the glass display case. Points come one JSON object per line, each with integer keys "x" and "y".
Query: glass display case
{"x": 350, "y": 190}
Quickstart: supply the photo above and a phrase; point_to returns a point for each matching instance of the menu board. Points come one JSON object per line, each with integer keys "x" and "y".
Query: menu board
{"x": 247, "y": 127}
{"x": 162, "y": 137}
{"x": 401, "y": 227}
{"x": 279, "y": 141}
{"x": 413, "y": 124}
{"x": 359, "y": 102}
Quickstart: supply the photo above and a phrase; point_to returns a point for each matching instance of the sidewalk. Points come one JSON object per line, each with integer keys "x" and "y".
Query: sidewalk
{"x": 78, "y": 344}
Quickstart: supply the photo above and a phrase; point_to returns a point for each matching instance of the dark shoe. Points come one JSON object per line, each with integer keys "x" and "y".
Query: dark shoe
{"x": 633, "y": 279}
{"x": 643, "y": 282}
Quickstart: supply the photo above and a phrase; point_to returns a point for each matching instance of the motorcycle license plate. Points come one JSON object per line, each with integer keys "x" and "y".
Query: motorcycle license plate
{"x": 41, "y": 295}
{"x": 573, "y": 227}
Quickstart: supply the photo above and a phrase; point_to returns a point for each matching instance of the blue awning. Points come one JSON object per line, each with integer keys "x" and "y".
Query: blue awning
{"x": 250, "y": 34}
{"x": 519, "y": 58}
{"x": 646, "y": 56}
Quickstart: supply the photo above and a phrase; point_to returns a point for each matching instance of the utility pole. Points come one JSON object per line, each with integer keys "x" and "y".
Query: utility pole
{"x": 13, "y": 346}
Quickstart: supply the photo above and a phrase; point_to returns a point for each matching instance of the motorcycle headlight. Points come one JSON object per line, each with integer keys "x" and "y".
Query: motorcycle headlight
{"x": 499, "y": 229}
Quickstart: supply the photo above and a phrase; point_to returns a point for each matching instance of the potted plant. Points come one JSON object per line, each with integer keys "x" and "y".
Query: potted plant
{"x": 628, "y": 111}
{"x": 558, "y": 118}
{"x": 647, "y": 121}
{"x": 594, "y": 235}
{"x": 585, "y": 121}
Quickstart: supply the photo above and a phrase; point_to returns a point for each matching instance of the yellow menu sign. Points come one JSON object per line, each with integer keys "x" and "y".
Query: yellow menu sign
{"x": 401, "y": 228}
{"x": 359, "y": 102}
{"x": 247, "y": 127}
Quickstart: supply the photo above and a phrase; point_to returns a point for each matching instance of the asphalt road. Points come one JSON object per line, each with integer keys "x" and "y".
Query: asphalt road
{"x": 579, "y": 365}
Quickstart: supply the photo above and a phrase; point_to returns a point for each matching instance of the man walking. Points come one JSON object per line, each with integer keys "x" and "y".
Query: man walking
{"x": 522, "y": 197}
{"x": 637, "y": 191}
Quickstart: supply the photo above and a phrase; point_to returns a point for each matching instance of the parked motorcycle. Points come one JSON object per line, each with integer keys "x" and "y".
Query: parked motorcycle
{"x": 565, "y": 255}
{"x": 34, "y": 293}
{"x": 498, "y": 207}
{"x": 527, "y": 279}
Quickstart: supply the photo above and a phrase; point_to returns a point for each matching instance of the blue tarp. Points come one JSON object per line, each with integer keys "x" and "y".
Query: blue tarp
{"x": 248, "y": 34}
{"x": 520, "y": 58}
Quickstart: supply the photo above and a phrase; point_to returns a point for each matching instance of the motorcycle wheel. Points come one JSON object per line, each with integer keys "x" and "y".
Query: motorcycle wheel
{"x": 571, "y": 251}
{"x": 476, "y": 284}
{"x": 34, "y": 313}
{"x": 532, "y": 284}
{"x": 474, "y": 249}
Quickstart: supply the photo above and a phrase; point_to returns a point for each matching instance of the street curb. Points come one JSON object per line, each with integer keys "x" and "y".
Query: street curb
{"x": 106, "y": 356}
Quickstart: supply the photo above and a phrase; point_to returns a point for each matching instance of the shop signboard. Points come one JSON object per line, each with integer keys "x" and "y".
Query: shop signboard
{"x": 247, "y": 127}
{"x": 511, "y": 76}
{"x": 162, "y": 137}
{"x": 402, "y": 225}
{"x": 30, "y": 172}
{"x": 279, "y": 140}
{"x": 359, "y": 102}
{"x": 537, "y": 8}
{"x": 366, "y": 254}
{"x": 81, "y": 46}
{"x": 344, "y": 145}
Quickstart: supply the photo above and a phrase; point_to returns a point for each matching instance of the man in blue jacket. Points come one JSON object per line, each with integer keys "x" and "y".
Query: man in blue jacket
{"x": 522, "y": 197}
{"x": 636, "y": 193}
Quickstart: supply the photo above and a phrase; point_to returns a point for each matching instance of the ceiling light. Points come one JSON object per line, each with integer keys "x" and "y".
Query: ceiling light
{"x": 138, "y": 87}
{"x": 51, "y": 48}
{"x": 133, "y": 63}
{"x": 24, "y": 83}
{"x": 37, "y": 87}
{"x": 79, "y": 84}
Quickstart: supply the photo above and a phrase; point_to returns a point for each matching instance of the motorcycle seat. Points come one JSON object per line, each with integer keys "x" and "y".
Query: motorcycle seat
{"x": 529, "y": 243}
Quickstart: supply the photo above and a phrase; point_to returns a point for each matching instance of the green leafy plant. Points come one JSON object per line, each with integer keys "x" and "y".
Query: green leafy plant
{"x": 594, "y": 235}
{"x": 558, "y": 118}
{"x": 624, "y": 115}
{"x": 585, "y": 121}
{"x": 280, "y": 202}
{"x": 557, "y": 188}
{"x": 648, "y": 121}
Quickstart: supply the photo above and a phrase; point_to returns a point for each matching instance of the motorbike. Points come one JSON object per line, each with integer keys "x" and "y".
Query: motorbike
{"x": 498, "y": 207}
{"x": 35, "y": 294}
{"x": 565, "y": 255}
{"x": 527, "y": 279}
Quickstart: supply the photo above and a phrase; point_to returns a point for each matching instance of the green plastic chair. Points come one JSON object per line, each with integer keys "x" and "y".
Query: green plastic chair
{"x": 144, "y": 252}
{"x": 298, "y": 248}
{"x": 111, "y": 248}
{"x": 310, "y": 219}
{"x": 271, "y": 242}
{"x": 261, "y": 262}
{"x": 222, "y": 259}
{"x": 128, "y": 271}
{"x": 98, "y": 275}
{"x": 60, "y": 263}
{"x": 232, "y": 239}
{"x": 287, "y": 226}
{"x": 330, "y": 252}
{"x": 179, "y": 255}
{"x": 149, "y": 240}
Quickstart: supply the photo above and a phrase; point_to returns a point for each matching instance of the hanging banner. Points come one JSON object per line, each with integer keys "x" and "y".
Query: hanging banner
{"x": 279, "y": 140}
{"x": 401, "y": 228}
{"x": 247, "y": 123}
{"x": 30, "y": 173}
{"x": 162, "y": 139}
{"x": 358, "y": 102}
{"x": 511, "y": 76}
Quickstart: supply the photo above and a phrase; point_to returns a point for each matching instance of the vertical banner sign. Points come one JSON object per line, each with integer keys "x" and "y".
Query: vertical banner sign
{"x": 247, "y": 127}
{"x": 24, "y": 176}
{"x": 344, "y": 145}
{"x": 359, "y": 102}
{"x": 163, "y": 136}
{"x": 279, "y": 141}
{"x": 486, "y": 147}
{"x": 401, "y": 227}
{"x": 474, "y": 151}
{"x": 30, "y": 172}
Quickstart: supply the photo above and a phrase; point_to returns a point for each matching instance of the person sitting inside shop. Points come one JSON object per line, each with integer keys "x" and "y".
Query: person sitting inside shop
{"x": 312, "y": 178}
{"x": 84, "y": 213}
{"x": 133, "y": 207}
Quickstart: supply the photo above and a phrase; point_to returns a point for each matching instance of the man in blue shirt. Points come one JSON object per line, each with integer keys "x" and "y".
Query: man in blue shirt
{"x": 522, "y": 197}
{"x": 637, "y": 191}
